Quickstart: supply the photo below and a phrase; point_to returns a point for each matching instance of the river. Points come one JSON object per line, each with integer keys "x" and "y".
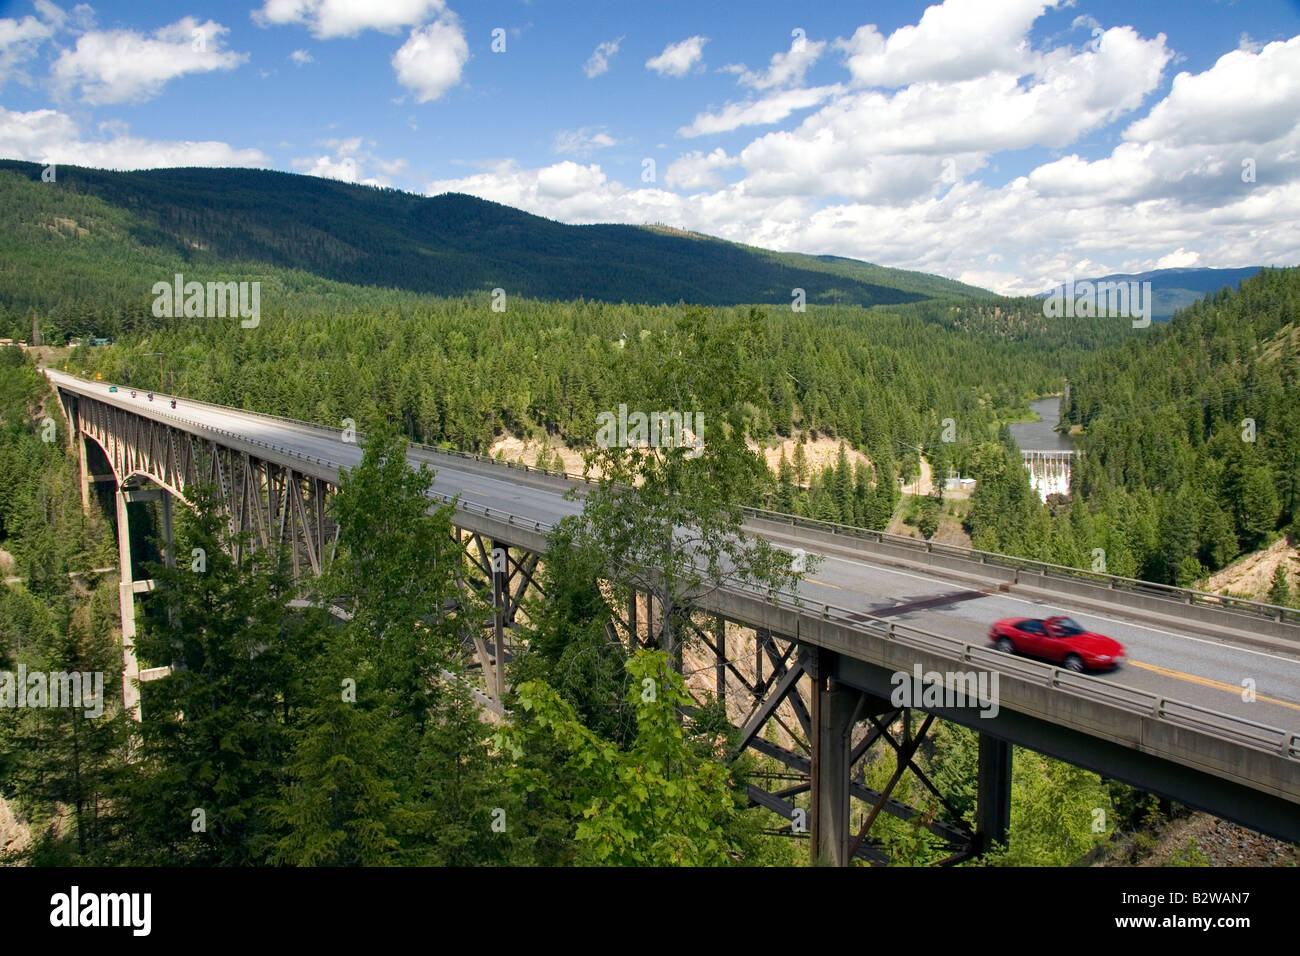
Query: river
{"x": 1039, "y": 436}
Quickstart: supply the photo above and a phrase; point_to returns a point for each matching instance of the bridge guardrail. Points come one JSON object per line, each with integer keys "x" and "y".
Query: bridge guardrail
{"x": 1169, "y": 710}
{"x": 1042, "y": 569}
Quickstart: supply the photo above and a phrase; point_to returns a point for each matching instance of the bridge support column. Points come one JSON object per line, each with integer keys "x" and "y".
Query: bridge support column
{"x": 720, "y": 639}
{"x": 993, "y": 804}
{"x": 168, "y": 534}
{"x": 85, "y": 472}
{"x": 126, "y": 601}
{"x": 634, "y": 639}
{"x": 834, "y": 707}
{"x": 500, "y": 594}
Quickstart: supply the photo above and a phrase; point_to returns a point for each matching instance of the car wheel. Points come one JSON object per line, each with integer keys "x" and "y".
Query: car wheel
{"x": 1006, "y": 646}
{"x": 1074, "y": 663}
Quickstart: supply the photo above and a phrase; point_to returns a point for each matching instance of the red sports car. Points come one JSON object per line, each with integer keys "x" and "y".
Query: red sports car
{"x": 1061, "y": 640}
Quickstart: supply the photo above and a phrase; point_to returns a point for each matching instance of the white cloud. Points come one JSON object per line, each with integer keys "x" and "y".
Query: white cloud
{"x": 565, "y": 191}
{"x": 430, "y": 62}
{"x": 348, "y": 161}
{"x": 875, "y": 145}
{"x": 770, "y": 109}
{"x": 1248, "y": 43}
{"x": 43, "y": 136}
{"x": 785, "y": 69}
{"x": 598, "y": 62}
{"x": 300, "y": 57}
{"x": 696, "y": 170}
{"x": 582, "y": 141}
{"x": 345, "y": 18}
{"x": 1245, "y": 97}
{"x": 1180, "y": 258}
{"x": 118, "y": 66}
{"x": 19, "y": 41}
{"x": 81, "y": 18}
{"x": 954, "y": 40}
{"x": 678, "y": 58}
{"x": 567, "y": 179}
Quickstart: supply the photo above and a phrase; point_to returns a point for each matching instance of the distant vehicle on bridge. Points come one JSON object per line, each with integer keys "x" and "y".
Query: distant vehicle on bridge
{"x": 1061, "y": 640}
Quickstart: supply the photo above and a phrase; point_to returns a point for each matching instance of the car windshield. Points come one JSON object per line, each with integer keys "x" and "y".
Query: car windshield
{"x": 1068, "y": 627}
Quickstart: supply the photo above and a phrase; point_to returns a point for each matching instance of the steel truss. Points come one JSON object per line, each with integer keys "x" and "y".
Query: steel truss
{"x": 825, "y": 735}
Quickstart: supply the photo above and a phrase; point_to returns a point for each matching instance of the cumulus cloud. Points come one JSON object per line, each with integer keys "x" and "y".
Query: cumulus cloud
{"x": 873, "y": 144}
{"x": 430, "y": 62}
{"x": 697, "y": 170}
{"x": 1244, "y": 97}
{"x": 345, "y": 18}
{"x": 954, "y": 40}
{"x": 677, "y": 59}
{"x": 118, "y": 66}
{"x": 598, "y": 62}
{"x": 300, "y": 57}
{"x": 49, "y": 136}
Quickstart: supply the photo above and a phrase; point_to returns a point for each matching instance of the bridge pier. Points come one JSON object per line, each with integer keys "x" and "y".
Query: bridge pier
{"x": 500, "y": 597}
{"x": 993, "y": 803}
{"x": 126, "y": 603}
{"x": 835, "y": 709}
{"x": 83, "y": 455}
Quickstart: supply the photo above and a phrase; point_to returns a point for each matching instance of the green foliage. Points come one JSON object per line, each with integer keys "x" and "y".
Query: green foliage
{"x": 390, "y": 762}
{"x": 1279, "y": 591}
{"x": 658, "y": 803}
{"x": 667, "y": 520}
{"x": 1203, "y": 412}
{"x": 216, "y": 731}
{"x": 1189, "y": 855}
{"x": 1054, "y": 807}
{"x": 572, "y": 645}
{"x": 57, "y": 765}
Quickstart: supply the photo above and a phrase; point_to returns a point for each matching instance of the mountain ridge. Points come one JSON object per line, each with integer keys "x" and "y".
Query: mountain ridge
{"x": 454, "y": 244}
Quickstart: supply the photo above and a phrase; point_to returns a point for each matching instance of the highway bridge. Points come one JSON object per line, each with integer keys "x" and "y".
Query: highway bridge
{"x": 1204, "y": 712}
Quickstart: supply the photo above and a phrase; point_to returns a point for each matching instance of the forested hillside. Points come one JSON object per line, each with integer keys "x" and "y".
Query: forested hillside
{"x": 454, "y": 371}
{"x": 445, "y": 245}
{"x": 1205, "y": 416}
{"x": 1189, "y": 448}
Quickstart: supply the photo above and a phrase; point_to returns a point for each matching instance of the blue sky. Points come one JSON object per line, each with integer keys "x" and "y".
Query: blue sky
{"x": 1005, "y": 142}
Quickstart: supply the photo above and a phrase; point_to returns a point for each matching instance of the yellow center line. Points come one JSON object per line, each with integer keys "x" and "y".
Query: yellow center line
{"x": 1207, "y": 682}
{"x": 823, "y": 584}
